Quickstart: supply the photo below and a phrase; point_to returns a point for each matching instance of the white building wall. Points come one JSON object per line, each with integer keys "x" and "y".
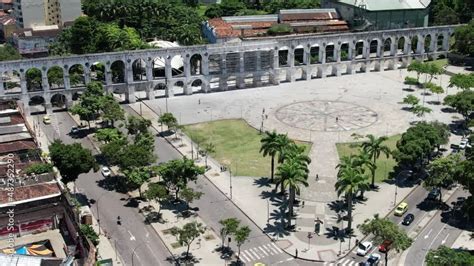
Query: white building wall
{"x": 32, "y": 12}
{"x": 69, "y": 10}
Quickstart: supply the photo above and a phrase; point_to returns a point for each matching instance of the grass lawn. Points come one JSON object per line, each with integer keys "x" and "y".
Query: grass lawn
{"x": 384, "y": 165}
{"x": 236, "y": 144}
{"x": 201, "y": 9}
{"x": 440, "y": 62}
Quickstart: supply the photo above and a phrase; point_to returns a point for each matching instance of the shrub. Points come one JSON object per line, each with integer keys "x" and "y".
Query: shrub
{"x": 280, "y": 29}
{"x": 88, "y": 231}
{"x": 411, "y": 81}
{"x": 39, "y": 168}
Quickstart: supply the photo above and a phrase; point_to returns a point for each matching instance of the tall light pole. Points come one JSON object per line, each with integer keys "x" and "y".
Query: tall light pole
{"x": 230, "y": 180}
{"x": 268, "y": 211}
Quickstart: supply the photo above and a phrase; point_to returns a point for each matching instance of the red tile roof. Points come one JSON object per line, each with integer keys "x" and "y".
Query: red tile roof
{"x": 224, "y": 29}
{"x": 29, "y": 192}
{"x": 17, "y": 146}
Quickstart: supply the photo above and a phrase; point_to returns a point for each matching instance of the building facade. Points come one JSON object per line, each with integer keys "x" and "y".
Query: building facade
{"x": 31, "y": 13}
{"x": 35, "y": 42}
{"x": 381, "y": 14}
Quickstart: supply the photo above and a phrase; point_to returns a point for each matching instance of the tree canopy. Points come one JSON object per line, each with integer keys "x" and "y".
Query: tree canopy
{"x": 444, "y": 256}
{"x": 464, "y": 36}
{"x": 8, "y": 52}
{"x": 462, "y": 102}
{"x": 177, "y": 173}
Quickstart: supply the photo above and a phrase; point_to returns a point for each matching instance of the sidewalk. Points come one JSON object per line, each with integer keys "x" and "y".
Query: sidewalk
{"x": 105, "y": 249}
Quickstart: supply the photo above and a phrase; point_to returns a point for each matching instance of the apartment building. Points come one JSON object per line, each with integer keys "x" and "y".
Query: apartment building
{"x": 30, "y": 13}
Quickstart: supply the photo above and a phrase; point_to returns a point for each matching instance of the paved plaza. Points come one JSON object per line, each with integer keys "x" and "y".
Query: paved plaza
{"x": 325, "y": 112}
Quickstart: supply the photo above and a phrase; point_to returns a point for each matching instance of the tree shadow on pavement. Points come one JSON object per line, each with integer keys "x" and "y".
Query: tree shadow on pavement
{"x": 262, "y": 182}
{"x": 113, "y": 183}
{"x": 272, "y": 196}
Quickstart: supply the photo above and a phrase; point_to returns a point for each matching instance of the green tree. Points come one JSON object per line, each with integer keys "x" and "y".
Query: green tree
{"x": 168, "y": 119}
{"x": 462, "y": 81}
{"x": 88, "y": 232}
{"x": 187, "y": 234}
{"x": 444, "y": 256}
{"x": 465, "y": 176}
{"x": 295, "y": 153}
{"x": 273, "y": 144}
{"x": 420, "y": 110}
{"x": 55, "y": 76}
{"x": 418, "y": 67}
{"x": 229, "y": 227}
{"x": 462, "y": 102}
{"x": 384, "y": 229}
{"x": 412, "y": 100}
{"x": 82, "y": 35}
{"x": 8, "y": 52}
{"x": 137, "y": 176}
{"x": 157, "y": 192}
{"x": 90, "y": 103}
{"x": 350, "y": 181}
{"x": 71, "y": 160}
{"x": 111, "y": 110}
{"x": 241, "y": 235}
{"x": 134, "y": 155}
{"x": 136, "y": 125}
{"x": 464, "y": 36}
{"x": 209, "y": 148}
{"x": 441, "y": 170}
{"x": 33, "y": 79}
{"x": 177, "y": 173}
{"x": 108, "y": 135}
{"x": 39, "y": 168}
{"x": 436, "y": 90}
{"x": 112, "y": 150}
{"x": 188, "y": 195}
{"x": 374, "y": 147}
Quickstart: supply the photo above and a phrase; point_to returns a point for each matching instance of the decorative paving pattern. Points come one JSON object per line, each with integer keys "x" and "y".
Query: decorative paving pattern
{"x": 326, "y": 116}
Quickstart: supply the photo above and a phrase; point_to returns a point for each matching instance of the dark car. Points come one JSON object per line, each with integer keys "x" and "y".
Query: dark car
{"x": 434, "y": 194}
{"x": 408, "y": 219}
{"x": 373, "y": 260}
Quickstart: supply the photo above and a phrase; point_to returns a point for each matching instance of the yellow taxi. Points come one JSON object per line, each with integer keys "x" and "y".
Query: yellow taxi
{"x": 46, "y": 120}
{"x": 401, "y": 209}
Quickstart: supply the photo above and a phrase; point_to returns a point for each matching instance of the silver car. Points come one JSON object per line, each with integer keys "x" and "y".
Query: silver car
{"x": 105, "y": 171}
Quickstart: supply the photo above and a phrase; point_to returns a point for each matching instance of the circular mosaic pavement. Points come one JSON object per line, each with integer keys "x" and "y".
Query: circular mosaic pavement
{"x": 326, "y": 116}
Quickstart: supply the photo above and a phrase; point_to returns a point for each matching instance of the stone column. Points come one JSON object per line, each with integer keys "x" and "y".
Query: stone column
{"x": 223, "y": 76}
{"x": 128, "y": 75}
{"x": 69, "y": 101}
{"x": 187, "y": 66}
{"x": 67, "y": 81}
{"x": 257, "y": 77}
{"x": 87, "y": 75}
{"x": 108, "y": 80}
{"x": 322, "y": 54}
{"x": 407, "y": 46}
{"x": 393, "y": 46}
{"x": 149, "y": 70}
{"x": 2, "y": 86}
{"x": 205, "y": 72}
{"x": 366, "y": 50}
{"x": 337, "y": 52}
{"x": 274, "y": 74}
{"x": 307, "y": 56}
{"x": 241, "y": 74}
{"x": 445, "y": 42}
{"x": 47, "y": 102}
{"x": 420, "y": 45}
{"x": 23, "y": 84}
{"x": 130, "y": 94}
{"x": 433, "y": 43}
{"x": 380, "y": 50}
{"x": 351, "y": 51}
{"x": 291, "y": 65}
{"x": 169, "y": 92}
{"x": 44, "y": 80}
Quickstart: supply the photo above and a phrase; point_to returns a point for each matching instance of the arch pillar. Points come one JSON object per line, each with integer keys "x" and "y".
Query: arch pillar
{"x": 407, "y": 45}
{"x": 393, "y": 46}
{"x": 380, "y": 49}
{"x": 150, "y": 92}
{"x": 257, "y": 77}
{"x": 67, "y": 81}
{"x": 130, "y": 94}
{"x": 205, "y": 64}
{"x": 2, "y": 85}
{"x": 25, "y": 99}
{"x": 149, "y": 70}
{"x": 322, "y": 54}
{"x": 44, "y": 80}
{"x": 307, "y": 56}
{"x": 420, "y": 44}
{"x": 23, "y": 84}
{"x": 223, "y": 76}
{"x": 47, "y": 102}
{"x": 337, "y": 52}
{"x": 187, "y": 66}
{"x": 69, "y": 102}
{"x": 366, "y": 50}
{"x": 433, "y": 43}
{"x": 291, "y": 65}
{"x": 274, "y": 73}
{"x": 336, "y": 70}
{"x": 445, "y": 42}
{"x": 351, "y": 51}
{"x": 87, "y": 75}
{"x": 241, "y": 75}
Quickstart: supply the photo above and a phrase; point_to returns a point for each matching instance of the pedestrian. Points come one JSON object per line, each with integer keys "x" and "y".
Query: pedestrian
{"x": 263, "y": 111}
{"x": 199, "y": 101}
{"x": 296, "y": 253}
{"x": 357, "y": 242}
{"x": 317, "y": 177}
{"x": 337, "y": 119}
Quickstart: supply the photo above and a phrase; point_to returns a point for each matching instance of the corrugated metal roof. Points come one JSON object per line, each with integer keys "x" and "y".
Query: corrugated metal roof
{"x": 377, "y": 5}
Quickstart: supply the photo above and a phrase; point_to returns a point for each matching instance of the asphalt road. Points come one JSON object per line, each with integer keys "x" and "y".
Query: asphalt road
{"x": 137, "y": 245}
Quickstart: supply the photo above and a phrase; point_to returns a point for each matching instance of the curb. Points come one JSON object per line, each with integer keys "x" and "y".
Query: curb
{"x": 245, "y": 214}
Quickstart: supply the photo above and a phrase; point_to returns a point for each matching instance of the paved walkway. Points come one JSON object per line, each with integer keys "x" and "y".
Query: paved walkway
{"x": 365, "y": 104}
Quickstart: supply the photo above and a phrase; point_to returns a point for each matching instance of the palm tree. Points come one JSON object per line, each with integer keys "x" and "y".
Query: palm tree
{"x": 272, "y": 145}
{"x": 363, "y": 162}
{"x": 350, "y": 181}
{"x": 293, "y": 152}
{"x": 374, "y": 147}
{"x": 293, "y": 175}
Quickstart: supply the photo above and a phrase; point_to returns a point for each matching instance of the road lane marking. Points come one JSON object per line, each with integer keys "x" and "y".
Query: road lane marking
{"x": 268, "y": 250}
{"x": 264, "y": 252}
{"x": 429, "y": 232}
{"x": 245, "y": 258}
{"x": 432, "y": 242}
{"x": 275, "y": 247}
{"x": 254, "y": 253}
{"x": 445, "y": 239}
{"x": 131, "y": 236}
{"x": 249, "y": 254}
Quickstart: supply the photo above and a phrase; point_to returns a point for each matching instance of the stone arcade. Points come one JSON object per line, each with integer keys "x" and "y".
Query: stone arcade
{"x": 208, "y": 68}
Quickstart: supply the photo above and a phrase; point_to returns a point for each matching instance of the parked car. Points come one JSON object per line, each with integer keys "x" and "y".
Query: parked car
{"x": 385, "y": 246}
{"x": 409, "y": 218}
{"x": 434, "y": 194}
{"x": 373, "y": 260}
{"x": 46, "y": 120}
{"x": 463, "y": 143}
{"x": 105, "y": 171}
{"x": 74, "y": 130}
{"x": 364, "y": 248}
{"x": 401, "y": 209}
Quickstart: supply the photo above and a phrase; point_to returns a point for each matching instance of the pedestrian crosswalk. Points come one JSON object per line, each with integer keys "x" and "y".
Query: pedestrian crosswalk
{"x": 346, "y": 262}
{"x": 260, "y": 252}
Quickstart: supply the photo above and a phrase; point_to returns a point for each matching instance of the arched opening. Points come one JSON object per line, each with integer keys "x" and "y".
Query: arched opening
{"x": 374, "y": 45}
{"x": 158, "y": 66}
{"x": 314, "y": 54}
{"x": 232, "y": 63}
{"x": 118, "y": 72}
{"x": 387, "y": 47}
{"x": 178, "y": 88}
{"x": 159, "y": 90}
{"x": 414, "y": 44}
{"x": 37, "y": 104}
{"x": 55, "y": 77}
{"x": 330, "y": 56}
{"x": 197, "y": 86}
{"x": 177, "y": 66}
{"x": 299, "y": 55}
{"x": 33, "y": 80}
{"x": 401, "y": 46}
{"x": 196, "y": 64}
{"x": 250, "y": 61}
{"x": 139, "y": 70}
{"x": 58, "y": 102}
{"x": 345, "y": 51}
{"x": 11, "y": 82}
{"x": 97, "y": 72}
{"x": 428, "y": 48}
{"x": 283, "y": 56}
{"x": 76, "y": 96}
{"x": 359, "y": 49}
{"x": 215, "y": 61}
{"x": 76, "y": 76}
{"x": 439, "y": 42}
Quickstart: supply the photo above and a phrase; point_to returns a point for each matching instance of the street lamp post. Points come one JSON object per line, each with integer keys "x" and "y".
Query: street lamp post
{"x": 230, "y": 180}
{"x": 268, "y": 211}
